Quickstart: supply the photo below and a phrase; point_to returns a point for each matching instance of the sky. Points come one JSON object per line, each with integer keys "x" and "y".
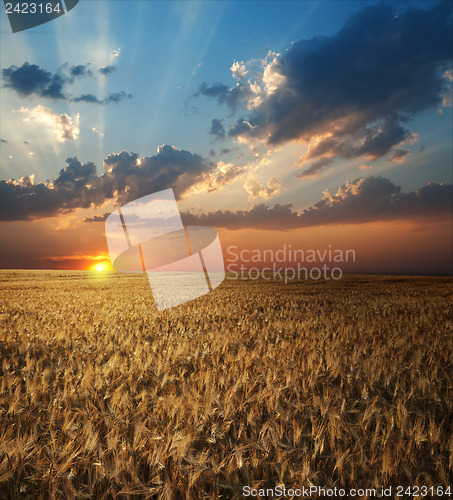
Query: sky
{"x": 316, "y": 124}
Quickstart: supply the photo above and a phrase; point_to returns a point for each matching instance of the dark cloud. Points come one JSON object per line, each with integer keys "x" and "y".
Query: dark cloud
{"x": 372, "y": 142}
{"x": 97, "y": 218}
{"x": 131, "y": 177}
{"x": 81, "y": 70}
{"x": 217, "y": 90}
{"x": 217, "y": 130}
{"x": 360, "y": 201}
{"x": 240, "y": 128}
{"x": 55, "y": 88}
{"x": 116, "y": 97}
{"x": 224, "y": 95}
{"x": 77, "y": 186}
{"x": 126, "y": 178}
{"x": 351, "y": 93}
{"x": 27, "y": 79}
{"x": 316, "y": 167}
{"x": 30, "y": 79}
{"x": 280, "y": 217}
{"x": 107, "y": 70}
{"x": 377, "y": 198}
{"x": 380, "y": 140}
{"x": 91, "y": 98}
{"x": 3, "y": 140}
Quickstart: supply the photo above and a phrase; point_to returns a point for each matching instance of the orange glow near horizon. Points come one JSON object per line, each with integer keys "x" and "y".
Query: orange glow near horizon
{"x": 386, "y": 247}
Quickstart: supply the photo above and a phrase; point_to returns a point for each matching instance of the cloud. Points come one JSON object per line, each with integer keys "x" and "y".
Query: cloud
{"x": 91, "y": 98}
{"x": 217, "y": 90}
{"x": 244, "y": 91}
{"x": 347, "y": 95}
{"x": 126, "y": 177}
{"x": 107, "y": 70}
{"x": 239, "y": 70}
{"x": 4, "y": 140}
{"x": 377, "y": 198}
{"x": 399, "y": 155}
{"x": 371, "y": 142}
{"x": 130, "y": 177}
{"x": 224, "y": 95}
{"x": 217, "y": 130}
{"x": 116, "y": 97}
{"x": 97, "y": 218}
{"x": 362, "y": 200}
{"x": 316, "y": 167}
{"x": 77, "y": 186}
{"x": 256, "y": 189}
{"x": 218, "y": 177}
{"x": 30, "y": 79}
{"x": 63, "y": 126}
{"x": 81, "y": 70}
{"x": 281, "y": 217}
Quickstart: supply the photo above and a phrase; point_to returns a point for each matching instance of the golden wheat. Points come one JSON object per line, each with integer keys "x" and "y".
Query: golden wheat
{"x": 324, "y": 383}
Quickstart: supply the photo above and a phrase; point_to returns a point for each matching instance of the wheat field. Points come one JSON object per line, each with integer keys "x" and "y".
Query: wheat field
{"x": 332, "y": 383}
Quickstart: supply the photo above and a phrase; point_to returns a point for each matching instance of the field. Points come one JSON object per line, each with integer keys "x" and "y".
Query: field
{"x": 343, "y": 383}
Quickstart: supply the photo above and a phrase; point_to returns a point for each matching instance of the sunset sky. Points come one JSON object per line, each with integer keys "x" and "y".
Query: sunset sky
{"x": 279, "y": 123}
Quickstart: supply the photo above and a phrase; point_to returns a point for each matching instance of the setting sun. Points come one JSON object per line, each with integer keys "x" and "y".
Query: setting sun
{"x": 102, "y": 266}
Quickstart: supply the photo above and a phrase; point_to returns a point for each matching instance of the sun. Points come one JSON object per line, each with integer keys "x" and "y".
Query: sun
{"x": 102, "y": 266}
